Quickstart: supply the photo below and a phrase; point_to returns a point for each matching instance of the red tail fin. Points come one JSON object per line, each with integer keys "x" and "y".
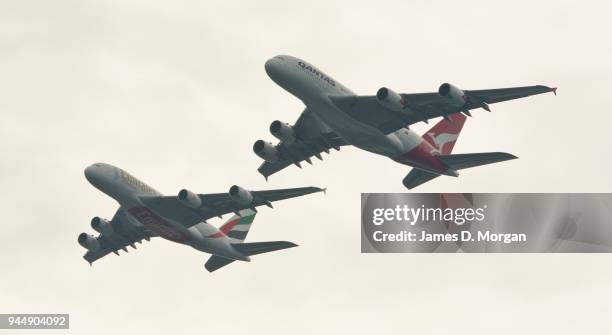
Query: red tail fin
{"x": 445, "y": 133}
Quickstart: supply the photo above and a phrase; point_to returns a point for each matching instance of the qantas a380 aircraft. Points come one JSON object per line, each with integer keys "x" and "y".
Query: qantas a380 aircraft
{"x": 335, "y": 116}
{"x": 144, "y": 213}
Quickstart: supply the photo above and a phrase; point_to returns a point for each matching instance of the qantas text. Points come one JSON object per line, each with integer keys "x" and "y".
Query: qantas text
{"x": 317, "y": 73}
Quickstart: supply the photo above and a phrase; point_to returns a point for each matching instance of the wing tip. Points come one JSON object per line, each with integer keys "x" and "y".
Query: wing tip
{"x": 505, "y": 155}
{"x": 319, "y": 189}
{"x": 289, "y": 244}
{"x": 548, "y": 89}
{"x": 89, "y": 261}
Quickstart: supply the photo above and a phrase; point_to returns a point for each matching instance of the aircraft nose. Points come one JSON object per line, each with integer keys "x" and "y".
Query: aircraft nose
{"x": 93, "y": 173}
{"x": 272, "y": 67}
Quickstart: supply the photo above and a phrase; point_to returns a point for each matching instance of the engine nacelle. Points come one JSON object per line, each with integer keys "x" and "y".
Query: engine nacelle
{"x": 89, "y": 242}
{"x": 453, "y": 95}
{"x": 102, "y": 226}
{"x": 189, "y": 198}
{"x": 282, "y": 131}
{"x": 240, "y": 195}
{"x": 266, "y": 151}
{"x": 390, "y": 100}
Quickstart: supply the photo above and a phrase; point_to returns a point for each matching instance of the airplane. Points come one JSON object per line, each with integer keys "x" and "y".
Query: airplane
{"x": 334, "y": 116}
{"x": 145, "y": 213}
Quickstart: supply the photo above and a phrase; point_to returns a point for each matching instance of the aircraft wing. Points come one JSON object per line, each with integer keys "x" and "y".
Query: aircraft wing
{"x": 218, "y": 204}
{"x": 425, "y": 106}
{"x": 312, "y": 137}
{"x": 124, "y": 234}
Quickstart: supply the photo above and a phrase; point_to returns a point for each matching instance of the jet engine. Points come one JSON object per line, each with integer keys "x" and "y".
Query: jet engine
{"x": 240, "y": 195}
{"x": 189, "y": 198}
{"x": 282, "y": 131}
{"x": 390, "y": 100}
{"x": 266, "y": 151}
{"x": 455, "y": 96}
{"x": 102, "y": 226}
{"x": 89, "y": 242}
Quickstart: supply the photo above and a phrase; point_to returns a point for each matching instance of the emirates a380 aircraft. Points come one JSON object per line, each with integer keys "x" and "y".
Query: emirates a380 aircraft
{"x": 145, "y": 213}
{"x": 335, "y": 116}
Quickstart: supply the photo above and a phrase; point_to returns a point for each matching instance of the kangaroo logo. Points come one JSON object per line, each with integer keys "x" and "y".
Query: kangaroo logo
{"x": 441, "y": 139}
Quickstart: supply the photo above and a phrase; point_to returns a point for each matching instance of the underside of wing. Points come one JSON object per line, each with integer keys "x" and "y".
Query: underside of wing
{"x": 188, "y": 213}
{"x": 308, "y": 138}
{"x": 421, "y": 107}
{"x": 368, "y": 110}
{"x": 505, "y": 94}
{"x": 262, "y": 197}
{"x": 300, "y": 151}
{"x": 122, "y": 235}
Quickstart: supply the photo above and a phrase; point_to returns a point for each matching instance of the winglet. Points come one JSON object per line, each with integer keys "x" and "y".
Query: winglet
{"x": 324, "y": 190}
{"x": 554, "y": 90}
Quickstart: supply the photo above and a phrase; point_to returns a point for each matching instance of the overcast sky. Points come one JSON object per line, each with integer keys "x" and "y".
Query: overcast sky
{"x": 176, "y": 94}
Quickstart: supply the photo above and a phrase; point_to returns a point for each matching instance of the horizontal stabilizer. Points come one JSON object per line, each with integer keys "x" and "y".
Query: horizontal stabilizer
{"x": 417, "y": 177}
{"x": 464, "y": 161}
{"x": 217, "y": 262}
{"x": 255, "y": 248}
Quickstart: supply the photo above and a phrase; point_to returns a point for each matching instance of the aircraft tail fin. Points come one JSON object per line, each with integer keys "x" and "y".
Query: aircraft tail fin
{"x": 238, "y": 226}
{"x": 464, "y": 161}
{"x": 444, "y": 134}
{"x": 255, "y": 248}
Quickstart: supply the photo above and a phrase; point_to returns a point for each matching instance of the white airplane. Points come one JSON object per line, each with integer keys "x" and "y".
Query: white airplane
{"x": 335, "y": 116}
{"x": 145, "y": 213}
